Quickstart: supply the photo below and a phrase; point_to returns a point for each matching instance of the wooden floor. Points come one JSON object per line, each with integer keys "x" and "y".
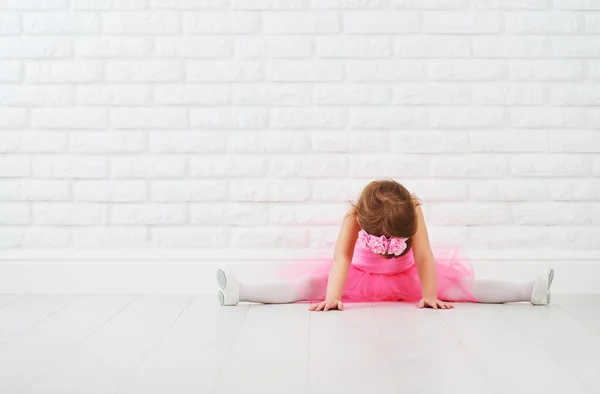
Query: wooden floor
{"x": 165, "y": 344}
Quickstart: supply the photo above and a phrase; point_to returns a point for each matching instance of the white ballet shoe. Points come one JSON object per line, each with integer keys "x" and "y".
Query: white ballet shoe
{"x": 229, "y": 293}
{"x": 540, "y": 295}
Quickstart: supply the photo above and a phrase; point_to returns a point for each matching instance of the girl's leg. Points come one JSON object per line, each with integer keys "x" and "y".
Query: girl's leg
{"x": 497, "y": 292}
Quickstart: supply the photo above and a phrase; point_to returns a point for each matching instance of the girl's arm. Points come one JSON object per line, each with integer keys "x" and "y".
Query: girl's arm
{"x": 426, "y": 265}
{"x": 342, "y": 257}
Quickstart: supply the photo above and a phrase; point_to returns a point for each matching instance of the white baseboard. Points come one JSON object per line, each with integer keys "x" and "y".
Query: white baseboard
{"x": 192, "y": 272}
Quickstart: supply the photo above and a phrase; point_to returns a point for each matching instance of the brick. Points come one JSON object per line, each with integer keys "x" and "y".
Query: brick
{"x": 69, "y": 167}
{"x": 307, "y": 214}
{"x": 542, "y": 23}
{"x": 429, "y": 141}
{"x": 438, "y": 189}
{"x": 289, "y": 47}
{"x": 576, "y": 47}
{"x": 430, "y": 4}
{"x": 389, "y": 118}
{"x": 469, "y": 214}
{"x": 10, "y": 71}
{"x": 462, "y": 22}
{"x": 386, "y": 166}
{"x": 304, "y": 70}
{"x": 110, "y": 4}
{"x": 238, "y": 71}
{"x": 147, "y": 166}
{"x": 33, "y": 190}
{"x": 191, "y": 94}
{"x": 70, "y": 118}
{"x": 470, "y": 166}
{"x": 467, "y": 118}
{"x": 141, "y": 22}
{"x": 511, "y": 47}
{"x": 107, "y": 142}
{"x": 385, "y": 71}
{"x": 228, "y": 214}
{"x": 149, "y": 118}
{"x": 108, "y": 95}
{"x": 575, "y": 141}
{"x": 353, "y": 46}
{"x": 196, "y": 47}
{"x": 221, "y": 22}
{"x": 592, "y": 23}
{"x": 575, "y": 94}
{"x": 269, "y": 237}
{"x": 63, "y": 72}
{"x": 264, "y": 190}
{"x": 10, "y": 24}
{"x": 376, "y": 22}
{"x": 510, "y": 141}
{"x": 551, "y": 165}
{"x": 593, "y": 118}
{"x": 250, "y": 47}
{"x": 143, "y": 71}
{"x": 190, "y": 4}
{"x": 308, "y": 118}
{"x": 13, "y": 5}
{"x": 352, "y": 94}
{"x": 432, "y": 94}
{"x": 498, "y": 237}
{"x": 14, "y": 214}
{"x": 511, "y": 4}
{"x": 349, "y": 4}
{"x": 467, "y": 70}
{"x": 300, "y": 22}
{"x": 147, "y": 214}
{"x": 230, "y": 166}
{"x": 268, "y": 142}
{"x": 187, "y": 142}
{"x": 532, "y": 118}
{"x": 229, "y": 118}
{"x": 189, "y": 190}
{"x": 350, "y": 141}
{"x": 112, "y": 47}
{"x": 110, "y": 237}
{"x": 69, "y": 214}
{"x": 509, "y": 94}
{"x": 337, "y": 190}
{"x": 509, "y": 190}
{"x": 432, "y": 46}
{"x": 189, "y": 237}
{"x": 35, "y": 47}
{"x": 269, "y": 4}
{"x": 546, "y": 70}
{"x": 109, "y": 191}
{"x": 314, "y": 166}
{"x": 551, "y": 213}
{"x": 574, "y": 237}
{"x": 36, "y": 95}
{"x": 323, "y": 237}
{"x": 34, "y": 237}
{"x": 271, "y": 94}
{"x": 32, "y": 142}
{"x": 14, "y": 118}
{"x": 577, "y": 5}
{"x": 61, "y": 23}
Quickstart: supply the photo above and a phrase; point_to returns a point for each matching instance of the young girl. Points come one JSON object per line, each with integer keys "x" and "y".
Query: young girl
{"x": 382, "y": 253}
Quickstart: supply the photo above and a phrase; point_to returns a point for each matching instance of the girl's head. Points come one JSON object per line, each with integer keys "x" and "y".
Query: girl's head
{"x": 387, "y": 208}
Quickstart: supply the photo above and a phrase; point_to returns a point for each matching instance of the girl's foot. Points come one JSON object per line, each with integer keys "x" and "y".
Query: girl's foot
{"x": 229, "y": 293}
{"x": 540, "y": 295}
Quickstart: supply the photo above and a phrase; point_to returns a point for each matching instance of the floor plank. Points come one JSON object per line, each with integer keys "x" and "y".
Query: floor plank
{"x": 29, "y": 355}
{"x": 506, "y": 355}
{"x": 270, "y": 352}
{"x": 6, "y": 299}
{"x": 103, "y": 362}
{"x": 348, "y": 354}
{"x": 420, "y": 342}
{"x": 27, "y": 311}
{"x": 189, "y": 357}
{"x": 580, "y": 307}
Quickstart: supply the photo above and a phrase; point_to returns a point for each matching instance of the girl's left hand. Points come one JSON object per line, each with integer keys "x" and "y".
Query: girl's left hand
{"x": 433, "y": 302}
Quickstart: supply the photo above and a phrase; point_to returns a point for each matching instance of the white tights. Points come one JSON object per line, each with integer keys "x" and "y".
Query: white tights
{"x": 484, "y": 291}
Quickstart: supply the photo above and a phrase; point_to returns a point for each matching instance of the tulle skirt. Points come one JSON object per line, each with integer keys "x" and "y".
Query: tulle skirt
{"x": 363, "y": 285}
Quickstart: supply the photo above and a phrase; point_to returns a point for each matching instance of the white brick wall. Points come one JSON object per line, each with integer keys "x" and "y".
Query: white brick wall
{"x": 162, "y": 124}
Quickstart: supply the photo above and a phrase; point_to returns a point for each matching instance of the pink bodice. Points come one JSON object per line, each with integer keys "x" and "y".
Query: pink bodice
{"x": 368, "y": 261}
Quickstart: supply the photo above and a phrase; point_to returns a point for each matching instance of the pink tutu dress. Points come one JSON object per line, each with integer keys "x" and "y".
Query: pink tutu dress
{"x": 374, "y": 277}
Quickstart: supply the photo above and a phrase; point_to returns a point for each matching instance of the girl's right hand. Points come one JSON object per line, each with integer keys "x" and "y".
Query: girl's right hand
{"x": 327, "y": 305}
